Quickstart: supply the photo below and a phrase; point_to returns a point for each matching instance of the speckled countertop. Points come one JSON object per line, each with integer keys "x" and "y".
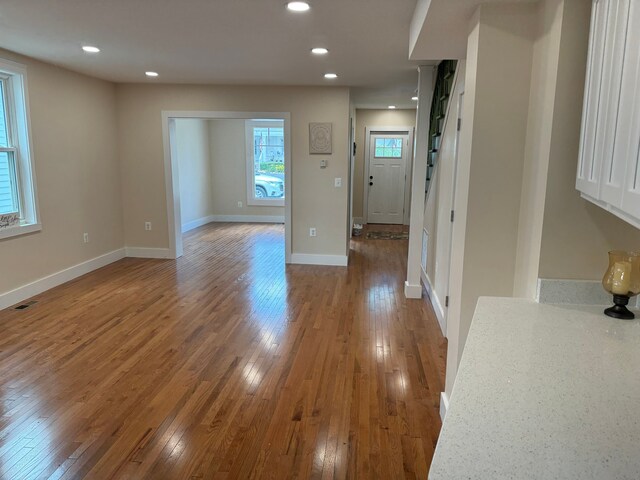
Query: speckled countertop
{"x": 544, "y": 392}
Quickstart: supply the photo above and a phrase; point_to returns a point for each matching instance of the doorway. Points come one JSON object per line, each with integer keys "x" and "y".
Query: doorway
{"x": 387, "y": 161}
{"x": 442, "y": 275}
{"x": 273, "y": 132}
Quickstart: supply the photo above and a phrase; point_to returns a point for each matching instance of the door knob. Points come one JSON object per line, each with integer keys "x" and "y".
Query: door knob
{"x": 370, "y": 183}
{"x": 370, "y": 177}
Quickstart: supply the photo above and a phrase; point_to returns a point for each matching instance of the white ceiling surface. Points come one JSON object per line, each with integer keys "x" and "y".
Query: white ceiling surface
{"x": 440, "y": 28}
{"x": 220, "y": 41}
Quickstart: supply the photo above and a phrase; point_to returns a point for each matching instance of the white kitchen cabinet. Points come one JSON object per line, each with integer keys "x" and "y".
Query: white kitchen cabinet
{"x": 609, "y": 164}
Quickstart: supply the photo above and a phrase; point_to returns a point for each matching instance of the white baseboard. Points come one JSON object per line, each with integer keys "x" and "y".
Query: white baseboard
{"x": 444, "y": 405}
{"x": 143, "y": 252}
{"x": 196, "y": 223}
{"x": 359, "y": 220}
{"x": 247, "y": 218}
{"x": 50, "y": 281}
{"x": 435, "y": 301}
{"x": 315, "y": 259}
{"x": 412, "y": 291}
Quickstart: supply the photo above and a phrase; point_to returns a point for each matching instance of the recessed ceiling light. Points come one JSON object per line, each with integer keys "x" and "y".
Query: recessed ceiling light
{"x": 330, "y": 75}
{"x": 298, "y": 6}
{"x": 319, "y": 51}
{"x": 392, "y": 107}
{"x": 415, "y": 99}
{"x": 90, "y": 49}
{"x": 151, "y": 74}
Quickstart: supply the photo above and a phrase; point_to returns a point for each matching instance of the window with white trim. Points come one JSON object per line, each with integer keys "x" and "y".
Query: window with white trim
{"x": 265, "y": 162}
{"x": 17, "y": 185}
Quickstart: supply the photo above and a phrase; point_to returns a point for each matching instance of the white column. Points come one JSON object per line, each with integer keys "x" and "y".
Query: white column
{"x": 412, "y": 286}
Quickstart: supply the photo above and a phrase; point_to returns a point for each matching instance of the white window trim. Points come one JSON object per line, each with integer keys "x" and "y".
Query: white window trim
{"x": 250, "y": 175}
{"x": 20, "y": 128}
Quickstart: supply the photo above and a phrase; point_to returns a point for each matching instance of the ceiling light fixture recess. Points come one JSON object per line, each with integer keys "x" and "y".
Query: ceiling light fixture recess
{"x": 319, "y": 51}
{"x": 330, "y": 75}
{"x": 151, "y": 74}
{"x": 298, "y": 6}
{"x": 90, "y": 49}
{"x": 392, "y": 107}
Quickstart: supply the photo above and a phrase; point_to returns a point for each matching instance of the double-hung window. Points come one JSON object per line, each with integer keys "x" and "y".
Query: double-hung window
{"x": 17, "y": 185}
{"x": 265, "y": 162}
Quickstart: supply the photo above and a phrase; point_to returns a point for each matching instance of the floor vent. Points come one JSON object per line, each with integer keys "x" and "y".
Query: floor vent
{"x": 25, "y": 305}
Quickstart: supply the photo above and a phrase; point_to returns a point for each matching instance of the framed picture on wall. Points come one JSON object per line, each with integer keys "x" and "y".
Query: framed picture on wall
{"x": 320, "y": 138}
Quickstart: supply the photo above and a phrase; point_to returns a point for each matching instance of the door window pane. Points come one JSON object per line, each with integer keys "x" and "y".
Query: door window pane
{"x": 388, "y": 148}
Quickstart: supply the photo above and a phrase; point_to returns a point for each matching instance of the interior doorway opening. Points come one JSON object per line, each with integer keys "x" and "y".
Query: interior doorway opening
{"x": 226, "y": 167}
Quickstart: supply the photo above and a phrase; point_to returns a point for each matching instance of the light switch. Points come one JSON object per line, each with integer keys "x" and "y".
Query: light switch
{"x": 323, "y": 163}
{"x": 338, "y": 182}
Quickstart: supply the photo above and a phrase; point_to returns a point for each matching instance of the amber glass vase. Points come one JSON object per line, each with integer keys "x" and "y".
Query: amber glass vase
{"x": 622, "y": 280}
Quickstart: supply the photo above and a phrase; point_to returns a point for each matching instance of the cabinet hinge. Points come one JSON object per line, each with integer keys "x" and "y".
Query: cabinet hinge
{"x": 446, "y": 301}
{"x": 452, "y": 214}
{"x": 459, "y": 124}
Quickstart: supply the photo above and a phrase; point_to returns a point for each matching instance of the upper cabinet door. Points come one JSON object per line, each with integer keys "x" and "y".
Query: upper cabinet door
{"x": 616, "y": 115}
{"x": 590, "y": 165}
{"x": 630, "y": 121}
{"x": 609, "y": 162}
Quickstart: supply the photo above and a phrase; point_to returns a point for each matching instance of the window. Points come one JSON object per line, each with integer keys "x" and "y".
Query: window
{"x": 388, "y": 148}
{"x": 17, "y": 190}
{"x": 265, "y": 162}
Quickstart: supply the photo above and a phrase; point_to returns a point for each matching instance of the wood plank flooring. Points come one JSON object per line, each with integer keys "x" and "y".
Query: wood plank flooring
{"x": 224, "y": 364}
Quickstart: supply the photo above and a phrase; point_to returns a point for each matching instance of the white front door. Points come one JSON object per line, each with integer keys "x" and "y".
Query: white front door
{"x": 388, "y": 153}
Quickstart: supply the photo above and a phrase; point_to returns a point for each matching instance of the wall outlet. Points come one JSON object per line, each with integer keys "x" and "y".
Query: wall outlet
{"x": 85, "y": 238}
{"x": 338, "y": 182}
{"x": 239, "y": 204}
{"x": 147, "y": 226}
{"x": 312, "y": 232}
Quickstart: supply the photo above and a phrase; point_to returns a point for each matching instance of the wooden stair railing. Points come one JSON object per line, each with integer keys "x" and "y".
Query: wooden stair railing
{"x": 442, "y": 90}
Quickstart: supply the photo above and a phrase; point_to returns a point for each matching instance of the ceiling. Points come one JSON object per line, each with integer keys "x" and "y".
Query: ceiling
{"x": 440, "y": 28}
{"x": 223, "y": 41}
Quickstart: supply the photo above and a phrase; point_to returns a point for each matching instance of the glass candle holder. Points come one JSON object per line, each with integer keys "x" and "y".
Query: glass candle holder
{"x": 622, "y": 280}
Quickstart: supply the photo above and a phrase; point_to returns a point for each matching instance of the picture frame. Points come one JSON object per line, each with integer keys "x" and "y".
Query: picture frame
{"x": 320, "y": 138}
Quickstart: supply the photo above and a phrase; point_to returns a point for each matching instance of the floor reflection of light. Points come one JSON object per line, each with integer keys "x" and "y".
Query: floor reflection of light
{"x": 382, "y": 352}
{"x": 252, "y": 375}
{"x": 176, "y": 445}
{"x": 403, "y": 383}
{"x": 321, "y": 451}
{"x": 267, "y": 290}
{"x": 269, "y": 339}
{"x": 30, "y": 441}
{"x": 377, "y": 295}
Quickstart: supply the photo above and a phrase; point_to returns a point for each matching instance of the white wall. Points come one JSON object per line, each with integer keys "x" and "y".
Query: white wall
{"x": 73, "y": 131}
{"x": 192, "y": 148}
{"x": 538, "y": 143}
{"x": 490, "y": 164}
{"x": 315, "y": 200}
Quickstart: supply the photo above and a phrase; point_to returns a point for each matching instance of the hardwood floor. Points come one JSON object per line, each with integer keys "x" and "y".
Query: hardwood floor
{"x": 224, "y": 364}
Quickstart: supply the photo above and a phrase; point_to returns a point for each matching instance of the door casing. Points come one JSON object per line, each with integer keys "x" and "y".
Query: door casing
{"x": 172, "y": 185}
{"x": 402, "y": 130}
